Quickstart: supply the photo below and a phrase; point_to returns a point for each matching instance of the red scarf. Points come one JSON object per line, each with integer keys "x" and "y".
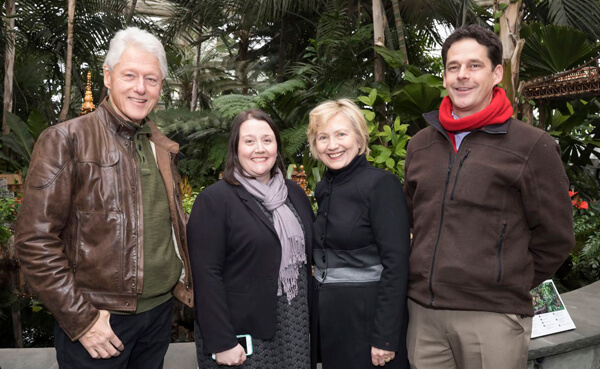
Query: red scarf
{"x": 498, "y": 111}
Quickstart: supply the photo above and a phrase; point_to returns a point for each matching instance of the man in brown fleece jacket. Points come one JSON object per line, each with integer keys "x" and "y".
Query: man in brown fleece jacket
{"x": 491, "y": 217}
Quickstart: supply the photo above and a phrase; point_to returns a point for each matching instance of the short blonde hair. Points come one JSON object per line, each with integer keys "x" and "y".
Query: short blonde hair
{"x": 326, "y": 110}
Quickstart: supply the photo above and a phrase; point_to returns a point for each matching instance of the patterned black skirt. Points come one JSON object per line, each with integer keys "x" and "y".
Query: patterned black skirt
{"x": 289, "y": 348}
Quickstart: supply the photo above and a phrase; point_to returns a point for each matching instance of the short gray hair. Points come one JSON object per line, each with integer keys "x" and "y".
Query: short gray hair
{"x": 144, "y": 40}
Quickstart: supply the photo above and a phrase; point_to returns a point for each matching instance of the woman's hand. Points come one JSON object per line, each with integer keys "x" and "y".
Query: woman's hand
{"x": 381, "y": 357}
{"x": 232, "y": 357}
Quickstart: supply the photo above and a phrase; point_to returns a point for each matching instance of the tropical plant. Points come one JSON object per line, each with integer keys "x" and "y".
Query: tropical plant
{"x": 21, "y": 139}
{"x": 9, "y": 209}
{"x": 583, "y": 265}
{"x": 388, "y": 146}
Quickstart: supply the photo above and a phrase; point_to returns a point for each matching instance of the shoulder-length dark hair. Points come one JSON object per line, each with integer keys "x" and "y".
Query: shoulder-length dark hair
{"x": 233, "y": 161}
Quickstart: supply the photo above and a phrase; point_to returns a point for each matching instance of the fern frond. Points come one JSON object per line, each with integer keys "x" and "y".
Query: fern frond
{"x": 294, "y": 139}
{"x": 231, "y": 105}
{"x": 275, "y": 91}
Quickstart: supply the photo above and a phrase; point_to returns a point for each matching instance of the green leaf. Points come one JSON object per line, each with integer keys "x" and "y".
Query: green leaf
{"x": 373, "y": 96}
{"x": 380, "y": 159}
{"x": 365, "y": 100}
{"x": 395, "y": 58}
{"x": 502, "y": 6}
{"x": 369, "y": 115}
{"x": 390, "y": 163}
{"x": 19, "y": 139}
{"x": 36, "y": 124}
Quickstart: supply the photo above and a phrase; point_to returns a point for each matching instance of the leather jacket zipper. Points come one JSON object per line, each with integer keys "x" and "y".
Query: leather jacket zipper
{"x": 499, "y": 250}
{"x": 136, "y": 185}
{"x": 437, "y": 241}
{"x": 462, "y": 161}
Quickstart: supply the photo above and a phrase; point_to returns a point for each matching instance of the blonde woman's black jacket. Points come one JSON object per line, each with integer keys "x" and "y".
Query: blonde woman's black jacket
{"x": 235, "y": 255}
{"x": 362, "y": 248}
{"x": 489, "y": 222}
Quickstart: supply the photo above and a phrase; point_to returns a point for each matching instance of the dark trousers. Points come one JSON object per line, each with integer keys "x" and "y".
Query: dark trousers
{"x": 146, "y": 337}
{"x": 346, "y": 317}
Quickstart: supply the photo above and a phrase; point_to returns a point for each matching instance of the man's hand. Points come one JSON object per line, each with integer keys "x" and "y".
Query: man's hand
{"x": 100, "y": 341}
{"x": 232, "y": 357}
{"x": 380, "y": 357}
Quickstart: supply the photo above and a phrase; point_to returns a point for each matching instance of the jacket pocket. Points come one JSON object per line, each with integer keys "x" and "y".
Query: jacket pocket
{"x": 460, "y": 166}
{"x": 499, "y": 252}
{"x": 99, "y": 182}
{"x": 99, "y": 259}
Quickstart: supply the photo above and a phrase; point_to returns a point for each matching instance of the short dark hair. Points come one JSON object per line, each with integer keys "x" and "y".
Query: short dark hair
{"x": 480, "y": 34}
{"x": 232, "y": 163}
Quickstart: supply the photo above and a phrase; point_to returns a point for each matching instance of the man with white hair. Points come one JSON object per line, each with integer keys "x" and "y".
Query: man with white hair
{"x": 101, "y": 234}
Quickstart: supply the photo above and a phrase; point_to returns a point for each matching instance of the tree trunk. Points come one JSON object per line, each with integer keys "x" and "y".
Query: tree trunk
{"x": 16, "y": 320}
{"x": 9, "y": 64}
{"x": 379, "y": 72}
{"x": 400, "y": 29}
{"x": 282, "y": 47}
{"x": 68, "y": 62}
{"x": 194, "y": 102}
{"x": 243, "y": 45}
{"x": 512, "y": 45}
{"x": 131, "y": 11}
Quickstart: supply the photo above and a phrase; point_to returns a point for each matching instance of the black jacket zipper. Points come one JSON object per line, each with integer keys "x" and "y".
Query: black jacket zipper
{"x": 499, "y": 250}
{"x": 462, "y": 161}
{"x": 437, "y": 241}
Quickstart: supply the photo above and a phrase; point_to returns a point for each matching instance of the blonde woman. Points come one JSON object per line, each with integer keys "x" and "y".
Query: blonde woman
{"x": 360, "y": 248}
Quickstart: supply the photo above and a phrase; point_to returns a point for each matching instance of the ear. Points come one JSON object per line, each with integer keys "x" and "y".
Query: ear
{"x": 106, "y": 77}
{"x": 498, "y": 74}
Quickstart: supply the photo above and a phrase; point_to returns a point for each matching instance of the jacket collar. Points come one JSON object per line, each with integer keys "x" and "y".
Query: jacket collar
{"x": 341, "y": 175}
{"x": 494, "y": 129}
{"x": 118, "y": 126}
{"x": 112, "y": 120}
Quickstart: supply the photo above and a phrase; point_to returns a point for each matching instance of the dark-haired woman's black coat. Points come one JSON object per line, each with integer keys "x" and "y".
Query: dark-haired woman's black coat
{"x": 235, "y": 255}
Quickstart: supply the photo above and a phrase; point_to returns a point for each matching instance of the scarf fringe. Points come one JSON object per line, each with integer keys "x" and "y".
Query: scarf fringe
{"x": 288, "y": 276}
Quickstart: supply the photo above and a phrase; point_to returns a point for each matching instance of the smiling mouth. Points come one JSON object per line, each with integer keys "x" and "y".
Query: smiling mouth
{"x": 259, "y": 160}
{"x": 137, "y": 100}
{"x": 336, "y": 155}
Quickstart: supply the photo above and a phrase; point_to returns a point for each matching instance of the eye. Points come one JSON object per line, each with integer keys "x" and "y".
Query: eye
{"x": 152, "y": 81}
{"x": 475, "y": 66}
{"x": 248, "y": 141}
{"x": 268, "y": 140}
{"x": 342, "y": 134}
{"x": 452, "y": 68}
{"x": 128, "y": 75}
{"x": 321, "y": 138}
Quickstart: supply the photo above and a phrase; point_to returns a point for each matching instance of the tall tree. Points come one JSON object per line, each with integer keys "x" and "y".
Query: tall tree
{"x": 9, "y": 63}
{"x": 68, "y": 62}
{"x": 400, "y": 30}
{"x": 510, "y": 14}
{"x": 198, "y": 57}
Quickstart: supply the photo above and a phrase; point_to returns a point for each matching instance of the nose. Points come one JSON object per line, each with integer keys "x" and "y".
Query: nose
{"x": 259, "y": 146}
{"x": 463, "y": 72}
{"x": 332, "y": 144}
{"x": 140, "y": 86}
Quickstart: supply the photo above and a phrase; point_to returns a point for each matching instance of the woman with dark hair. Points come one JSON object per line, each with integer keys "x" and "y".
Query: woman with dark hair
{"x": 250, "y": 237}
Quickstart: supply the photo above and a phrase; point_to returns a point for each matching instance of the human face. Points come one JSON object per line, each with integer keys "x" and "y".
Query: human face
{"x": 134, "y": 83}
{"x": 469, "y": 77}
{"x": 257, "y": 149}
{"x": 337, "y": 142}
